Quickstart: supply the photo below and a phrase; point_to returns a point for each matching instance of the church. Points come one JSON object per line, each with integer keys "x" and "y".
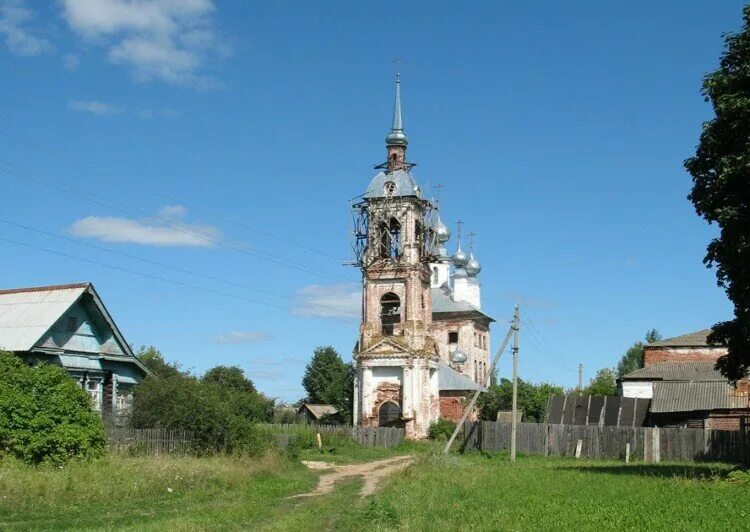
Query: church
{"x": 424, "y": 341}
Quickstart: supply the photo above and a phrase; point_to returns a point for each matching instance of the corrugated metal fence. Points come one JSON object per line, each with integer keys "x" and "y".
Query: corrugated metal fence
{"x": 648, "y": 444}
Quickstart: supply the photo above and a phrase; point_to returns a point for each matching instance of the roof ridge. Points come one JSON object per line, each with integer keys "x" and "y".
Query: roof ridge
{"x": 48, "y": 288}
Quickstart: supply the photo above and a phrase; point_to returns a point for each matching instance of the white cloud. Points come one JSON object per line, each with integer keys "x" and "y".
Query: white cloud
{"x": 242, "y": 337}
{"x": 14, "y": 19}
{"x": 265, "y": 375}
{"x": 147, "y": 114}
{"x": 167, "y": 40}
{"x": 94, "y": 107}
{"x": 70, "y": 62}
{"x": 147, "y": 232}
{"x": 172, "y": 211}
{"x": 330, "y": 301}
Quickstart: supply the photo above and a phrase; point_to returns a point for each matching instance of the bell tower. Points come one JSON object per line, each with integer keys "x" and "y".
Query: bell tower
{"x": 396, "y": 358}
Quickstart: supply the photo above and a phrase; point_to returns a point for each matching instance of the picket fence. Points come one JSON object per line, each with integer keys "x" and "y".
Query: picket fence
{"x": 367, "y": 436}
{"x": 148, "y": 441}
{"x": 646, "y": 443}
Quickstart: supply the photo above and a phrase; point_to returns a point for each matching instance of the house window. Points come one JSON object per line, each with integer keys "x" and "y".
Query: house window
{"x": 453, "y": 337}
{"x": 124, "y": 398}
{"x": 72, "y": 324}
{"x": 94, "y": 389}
{"x": 390, "y": 312}
{"x": 435, "y": 275}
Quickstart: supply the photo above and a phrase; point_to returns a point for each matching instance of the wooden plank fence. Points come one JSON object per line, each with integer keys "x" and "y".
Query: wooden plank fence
{"x": 148, "y": 441}
{"x": 367, "y": 436}
{"x": 645, "y": 443}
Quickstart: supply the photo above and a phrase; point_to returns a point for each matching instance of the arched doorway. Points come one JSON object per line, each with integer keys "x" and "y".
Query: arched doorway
{"x": 389, "y": 414}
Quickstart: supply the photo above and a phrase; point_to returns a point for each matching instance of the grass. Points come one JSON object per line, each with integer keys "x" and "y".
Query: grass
{"x": 467, "y": 492}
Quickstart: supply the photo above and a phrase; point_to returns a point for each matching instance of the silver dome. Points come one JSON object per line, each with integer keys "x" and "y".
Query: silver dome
{"x": 472, "y": 266}
{"x": 459, "y": 257}
{"x": 458, "y": 356}
{"x": 442, "y": 232}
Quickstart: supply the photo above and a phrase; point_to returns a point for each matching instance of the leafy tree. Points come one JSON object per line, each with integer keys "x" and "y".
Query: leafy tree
{"x": 154, "y": 361}
{"x": 604, "y": 383}
{"x": 633, "y": 357}
{"x": 532, "y": 399}
{"x": 328, "y": 380}
{"x": 721, "y": 195}
{"x": 44, "y": 416}
{"x": 231, "y": 377}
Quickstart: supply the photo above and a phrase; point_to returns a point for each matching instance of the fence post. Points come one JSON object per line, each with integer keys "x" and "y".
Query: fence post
{"x": 627, "y": 453}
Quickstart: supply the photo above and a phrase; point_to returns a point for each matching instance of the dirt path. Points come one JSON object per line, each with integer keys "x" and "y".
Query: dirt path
{"x": 373, "y": 474}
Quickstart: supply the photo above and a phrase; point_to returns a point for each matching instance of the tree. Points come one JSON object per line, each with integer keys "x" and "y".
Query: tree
{"x": 154, "y": 361}
{"x": 603, "y": 383}
{"x": 231, "y": 377}
{"x": 721, "y": 195}
{"x": 45, "y": 417}
{"x": 532, "y": 399}
{"x": 328, "y": 380}
{"x": 633, "y": 357}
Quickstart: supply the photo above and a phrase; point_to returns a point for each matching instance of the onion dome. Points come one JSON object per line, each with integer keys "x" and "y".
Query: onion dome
{"x": 442, "y": 232}
{"x": 458, "y": 356}
{"x": 472, "y": 266}
{"x": 459, "y": 257}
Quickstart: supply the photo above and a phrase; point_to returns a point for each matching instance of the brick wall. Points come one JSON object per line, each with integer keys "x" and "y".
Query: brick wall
{"x": 452, "y": 405}
{"x": 728, "y": 420}
{"x": 654, "y": 355}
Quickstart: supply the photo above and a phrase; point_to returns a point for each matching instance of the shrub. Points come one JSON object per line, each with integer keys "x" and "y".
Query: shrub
{"x": 441, "y": 429}
{"x": 44, "y": 416}
{"x": 221, "y": 418}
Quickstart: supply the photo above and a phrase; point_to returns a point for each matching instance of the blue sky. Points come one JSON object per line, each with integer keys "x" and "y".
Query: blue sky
{"x": 227, "y": 138}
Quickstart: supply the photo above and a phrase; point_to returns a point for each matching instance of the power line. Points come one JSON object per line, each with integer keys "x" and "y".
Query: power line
{"x": 144, "y": 260}
{"x": 170, "y": 198}
{"x": 545, "y": 351}
{"x": 152, "y": 276}
{"x": 170, "y": 224}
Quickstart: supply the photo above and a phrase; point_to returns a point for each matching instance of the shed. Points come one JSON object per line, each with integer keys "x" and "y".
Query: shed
{"x": 317, "y": 413}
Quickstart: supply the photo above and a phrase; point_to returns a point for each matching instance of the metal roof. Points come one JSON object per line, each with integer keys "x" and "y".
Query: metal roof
{"x": 319, "y": 411}
{"x": 677, "y": 371}
{"x": 693, "y": 339}
{"x": 443, "y": 303}
{"x": 405, "y": 185}
{"x": 451, "y": 380}
{"x": 676, "y": 396}
{"x": 26, "y": 314}
{"x": 80, "y": 362}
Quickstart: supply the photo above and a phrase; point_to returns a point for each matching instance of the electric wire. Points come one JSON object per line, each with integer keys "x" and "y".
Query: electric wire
{"x": 168, "y": 197}
{"x": 170, "y": 224}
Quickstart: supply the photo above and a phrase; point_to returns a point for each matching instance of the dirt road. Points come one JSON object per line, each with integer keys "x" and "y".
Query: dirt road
{"x": 373, "y": 474}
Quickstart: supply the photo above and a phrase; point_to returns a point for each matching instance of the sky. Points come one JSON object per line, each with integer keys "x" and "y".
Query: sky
{"x": 196, "y": 161}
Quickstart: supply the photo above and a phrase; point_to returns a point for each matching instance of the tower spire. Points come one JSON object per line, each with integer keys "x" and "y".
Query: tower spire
{"x": 397, "y": 137}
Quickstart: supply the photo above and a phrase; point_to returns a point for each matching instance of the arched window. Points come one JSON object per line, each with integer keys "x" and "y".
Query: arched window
{"x": 384, "y": 240}
{"x": 435, "y": 275}
{"x": 395, "y": 231}
{"x": 390, "y": 312}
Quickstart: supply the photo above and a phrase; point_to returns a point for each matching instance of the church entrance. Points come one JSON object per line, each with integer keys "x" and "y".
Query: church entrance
{"x": 389, "y": 415}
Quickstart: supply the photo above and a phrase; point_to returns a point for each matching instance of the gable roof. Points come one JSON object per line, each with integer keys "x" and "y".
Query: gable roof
{"x": 451, "y": 380}
{"x": 27, "y": 314}
{"x": 319, "y": 411}
{"x": 677, "y": 371}
{"x": 693, "y": 339}
{"x": 693, "y": 396}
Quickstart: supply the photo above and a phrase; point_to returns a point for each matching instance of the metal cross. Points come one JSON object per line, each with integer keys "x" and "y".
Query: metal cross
{"x": 459, "y": 223}
{"x": 398, "y": 62}
{"x": 437, "y": 194}
{"x": 471, "y": 240}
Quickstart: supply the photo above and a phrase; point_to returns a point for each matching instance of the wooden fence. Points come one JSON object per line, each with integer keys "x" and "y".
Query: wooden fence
{"x": 367, "y": 436}
{"x": 647, "y": 444}
{"x": 148, "y": 441}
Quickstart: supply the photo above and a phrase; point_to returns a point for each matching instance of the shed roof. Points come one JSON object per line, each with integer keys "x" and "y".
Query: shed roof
{"x": 451, "y": 380}
{"x": 677, "y": 371}
{"x": 442, "y": 302}
{"x": 693, "y": 339}
{"x": 676, "y": 396}
{"x": 319, "y": 411}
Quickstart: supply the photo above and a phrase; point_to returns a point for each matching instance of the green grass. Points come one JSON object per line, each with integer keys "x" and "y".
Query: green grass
{"x": 467, "y": 492}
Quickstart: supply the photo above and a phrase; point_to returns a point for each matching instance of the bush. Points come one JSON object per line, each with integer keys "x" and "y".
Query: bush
{"x": 221, "y": 418}
{"x": 44, "y": 416}
{"x": 441, "y": 429}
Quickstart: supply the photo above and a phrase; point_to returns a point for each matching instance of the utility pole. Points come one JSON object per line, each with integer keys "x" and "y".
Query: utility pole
{"x": 580, "y": 378}
{"x": 514, "y": 415}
